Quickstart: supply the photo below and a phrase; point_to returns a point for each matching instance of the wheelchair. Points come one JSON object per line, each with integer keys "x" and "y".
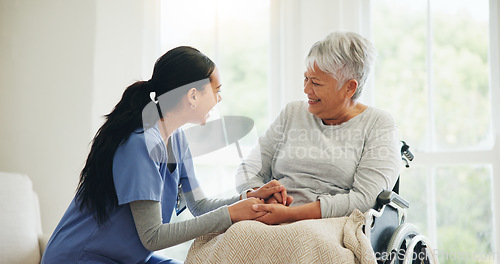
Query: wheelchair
{"x": 392, "y": 238}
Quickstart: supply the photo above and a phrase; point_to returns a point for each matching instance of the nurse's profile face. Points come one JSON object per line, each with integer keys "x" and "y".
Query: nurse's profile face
{"x": 209, "y": 97}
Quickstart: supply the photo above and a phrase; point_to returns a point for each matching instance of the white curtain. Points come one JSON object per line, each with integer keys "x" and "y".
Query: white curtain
{"x": 495, "y": 95}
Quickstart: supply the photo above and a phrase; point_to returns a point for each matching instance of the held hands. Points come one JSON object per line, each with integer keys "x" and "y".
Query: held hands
{"x": 243, "y": 210}
{"x": 272, "y": 192}
{"x": 278, "y": 213}
{"x": 277, "y": 199}
{"x": 269, "y": 204}
{"x": 256, "y": 209}
{"x": 274, "y": 213}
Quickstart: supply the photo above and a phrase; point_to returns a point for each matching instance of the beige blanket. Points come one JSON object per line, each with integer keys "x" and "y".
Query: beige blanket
{"x": 332, "y": 240}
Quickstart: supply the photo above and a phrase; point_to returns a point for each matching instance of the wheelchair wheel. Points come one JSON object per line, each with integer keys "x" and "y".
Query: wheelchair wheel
{"x": 420, "y": 251}
{"x": 407, "y": 246}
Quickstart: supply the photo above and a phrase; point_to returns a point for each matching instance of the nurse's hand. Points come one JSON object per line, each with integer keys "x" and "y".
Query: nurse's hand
{"x": 242, "y": 210}
{"x": 274, "y": 190}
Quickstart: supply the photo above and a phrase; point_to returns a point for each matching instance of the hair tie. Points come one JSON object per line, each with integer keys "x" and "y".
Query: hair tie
{"x": 153, "y": 97}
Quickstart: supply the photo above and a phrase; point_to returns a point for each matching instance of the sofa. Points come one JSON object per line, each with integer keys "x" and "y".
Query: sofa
{"x": 21, "y": 236}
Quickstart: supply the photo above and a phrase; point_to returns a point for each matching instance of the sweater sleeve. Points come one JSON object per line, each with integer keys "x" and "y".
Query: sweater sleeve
{"x": 377, "y": 170}
{"x": 256, "y": 169}
{"x": 155, "y": 236}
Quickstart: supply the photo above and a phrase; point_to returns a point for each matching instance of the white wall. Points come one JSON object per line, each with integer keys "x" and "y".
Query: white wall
{"x": 64, "y": 63}
{"x": 46, "y": 76}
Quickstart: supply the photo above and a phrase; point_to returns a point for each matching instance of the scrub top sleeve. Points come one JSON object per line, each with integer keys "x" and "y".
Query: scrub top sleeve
{"x": 136, "y": 175}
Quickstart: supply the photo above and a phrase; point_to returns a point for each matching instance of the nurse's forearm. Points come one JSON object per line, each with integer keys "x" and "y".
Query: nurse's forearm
{"x": 201, "y": 204}
{"x": 155, "y": 235}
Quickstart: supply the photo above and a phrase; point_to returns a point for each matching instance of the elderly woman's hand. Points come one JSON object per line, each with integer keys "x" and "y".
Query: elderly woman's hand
{"x": 272, "y": 192}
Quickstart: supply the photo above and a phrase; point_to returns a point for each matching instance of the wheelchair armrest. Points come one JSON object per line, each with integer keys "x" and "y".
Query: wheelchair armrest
{"x": 387, "y": 197}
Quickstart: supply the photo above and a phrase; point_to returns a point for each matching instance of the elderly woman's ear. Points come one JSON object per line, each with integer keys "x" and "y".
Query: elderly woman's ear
{"x": 352, "y": 86}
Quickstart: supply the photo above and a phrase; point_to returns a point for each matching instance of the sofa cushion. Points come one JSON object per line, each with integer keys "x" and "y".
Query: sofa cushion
{"x": 18, "y": 220}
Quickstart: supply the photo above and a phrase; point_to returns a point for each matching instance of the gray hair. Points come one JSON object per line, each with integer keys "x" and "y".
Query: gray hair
{"x": 345, "y": 56}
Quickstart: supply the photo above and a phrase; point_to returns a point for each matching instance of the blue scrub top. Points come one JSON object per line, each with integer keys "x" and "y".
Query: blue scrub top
{"x": 140, "y": 173}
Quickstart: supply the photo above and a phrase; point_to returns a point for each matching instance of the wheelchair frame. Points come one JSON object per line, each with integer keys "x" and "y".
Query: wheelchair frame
{"x": 393, "y": 240}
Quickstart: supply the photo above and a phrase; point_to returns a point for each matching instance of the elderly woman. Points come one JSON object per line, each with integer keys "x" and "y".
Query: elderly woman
{"x": 332, "y": 153}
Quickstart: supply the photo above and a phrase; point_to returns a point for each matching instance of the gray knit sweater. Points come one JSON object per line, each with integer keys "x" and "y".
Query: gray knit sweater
{"x": 343, "y": 166}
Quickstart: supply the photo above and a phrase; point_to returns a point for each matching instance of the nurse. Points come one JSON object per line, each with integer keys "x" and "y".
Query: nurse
{"x": 139, "y": 170}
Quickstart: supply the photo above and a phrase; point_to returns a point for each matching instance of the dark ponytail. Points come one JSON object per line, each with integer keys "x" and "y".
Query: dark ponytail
{"x": 96, "y": 190}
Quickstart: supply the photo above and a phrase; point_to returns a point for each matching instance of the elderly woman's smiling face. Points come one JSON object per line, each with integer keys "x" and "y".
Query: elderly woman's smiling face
{"x": 326, "y": 100}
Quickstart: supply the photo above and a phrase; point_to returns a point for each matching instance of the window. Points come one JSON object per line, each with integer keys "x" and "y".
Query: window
{"x": 235, "y": 35}
{"x": 432, "y": 73}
